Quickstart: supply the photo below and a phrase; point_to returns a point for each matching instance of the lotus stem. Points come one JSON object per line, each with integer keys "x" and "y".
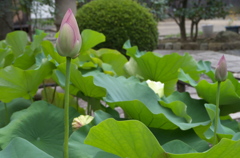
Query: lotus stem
{"x": 217, "y": 113}
{"x": 54, "y": 92}
{"x": 45, "y": 90}
{"x": 31, "y": 98}
{"x": 66, "y": 108}
{"x": 88, "y": 108}
{"x": 7, "y": 113}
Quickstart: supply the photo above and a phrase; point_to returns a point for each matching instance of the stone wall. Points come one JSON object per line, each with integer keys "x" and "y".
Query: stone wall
{"x": 216, "y": 46}
{"x": 224, "y": 40}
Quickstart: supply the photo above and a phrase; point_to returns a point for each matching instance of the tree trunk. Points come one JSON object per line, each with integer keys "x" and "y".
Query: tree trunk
{"x": 194, "y": 38}
{"x": 183, "y": 31}
{"x": 196, "y": 31}
{"x": 182, "y": 22}
{"x": 192, "y": 28}
{"x": 61, "y": 8}
{"x": 28, "y": 5}
{"x": 6, "y": 18}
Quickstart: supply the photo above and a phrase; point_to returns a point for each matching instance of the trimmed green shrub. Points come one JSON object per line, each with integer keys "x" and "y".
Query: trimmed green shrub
{"x": 120, "y": 20}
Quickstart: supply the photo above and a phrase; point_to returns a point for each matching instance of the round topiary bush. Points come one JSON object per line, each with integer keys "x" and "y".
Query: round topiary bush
{"x": 120, "y": 20}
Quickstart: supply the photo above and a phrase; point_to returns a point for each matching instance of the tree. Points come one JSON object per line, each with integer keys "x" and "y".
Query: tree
{"x": 80, "y": 3}
{"x": 156, "y": 7}
{"x": 177, "y": 11}
{"x": 195, "y": 10}
{"x": 204, "y": 9}
{"x": 6, "y": 17}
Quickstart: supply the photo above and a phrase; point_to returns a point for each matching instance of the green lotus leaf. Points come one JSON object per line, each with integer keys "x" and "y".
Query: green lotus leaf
{"x": 206, "y": 68}
{"x": 107, "y": 69}
{"x": 182, "y": 76}
{"x": 107, "y": 60}
{"x": 222, "y": 131}
{"x": 41, "y": 124}
{"x": 18, "y": 41}
{"x": 178, "y": 108}
{"x": 124, "y": 138}
{"x": 113, "y": 58}
{"x": 132, "y": 69}
{"x": 59, "y": 78}
{"x": 188, "y": 137}
{"x": 232, "y": 124}
{"x": 21, "y": 148}
{"x": 49, "y": 50}
{"x": 4, "y": 52}
{"x": 100, "y": 116}
{"x": 102, "y": 154}
{"x": 37, "y": 39}
{"x": 86, "y": 61}
{"x": 17, "y": 83}
{"x": 90, "y": 39}
{"x": 76, "y": 140}
{"x": 236, "y": 137}
{"x": 178, "y": 147}
{"x": 229, "y": 97}
{"x": 164, "y": 69}
{"x": 85, "y": 84}
{"x": 13, "y": 106}
{"x": 26, "y": 60}
{"x": 225, "y": 148}
{"x": 139, "y": 102}
{"x": 77, "y": 148}
{"x": 56, "y": 98}
{"x": 133, "y": 139}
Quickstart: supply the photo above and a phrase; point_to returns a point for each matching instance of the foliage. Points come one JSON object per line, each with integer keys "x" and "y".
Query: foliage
{"x": 38, "y": 7}
{"x": 80, "y": 3}
{"x": 204, "y": 10}
{"x": 176, "y": 10}
{"x": 157, "y": 7}
{"x": 175, "y": 125}
{"x": 22, "y": 9}
{"x": 195, "y": 11}
{"x": 119, "y": 21}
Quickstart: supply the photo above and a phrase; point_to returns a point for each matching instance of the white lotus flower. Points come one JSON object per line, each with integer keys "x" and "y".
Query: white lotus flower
{"x": 81, "y": 121}
{"x": 157, "y": 87}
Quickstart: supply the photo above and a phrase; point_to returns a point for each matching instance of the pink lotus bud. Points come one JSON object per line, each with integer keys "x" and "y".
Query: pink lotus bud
{"x": 69, "y": 41}
{"x": 221, "y": 70}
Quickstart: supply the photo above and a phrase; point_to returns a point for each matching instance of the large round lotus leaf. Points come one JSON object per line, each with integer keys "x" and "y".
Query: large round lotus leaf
{"x": 76, "y": 140}
{"x": 18, "y": 41}
{"x": 125, "y": 139}
{"x": 42, "y": 124}
{"x": 18, "y": 83}
{"x": 133, "y": 139}
{"x": 15, "y": 105}
{"x": 229, "y": 95}
{"x": 17, "y": 149}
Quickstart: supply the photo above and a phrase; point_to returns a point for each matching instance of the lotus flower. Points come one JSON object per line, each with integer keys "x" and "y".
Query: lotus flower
{"x": 157, "y": 87}
{"x": 69, "y": 41}
{"x": 81, "y": 121}
{"x": 221, "y": 70}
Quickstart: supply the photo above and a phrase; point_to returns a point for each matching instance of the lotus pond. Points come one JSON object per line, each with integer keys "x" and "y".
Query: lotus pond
{"x": 173, "y": 125}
